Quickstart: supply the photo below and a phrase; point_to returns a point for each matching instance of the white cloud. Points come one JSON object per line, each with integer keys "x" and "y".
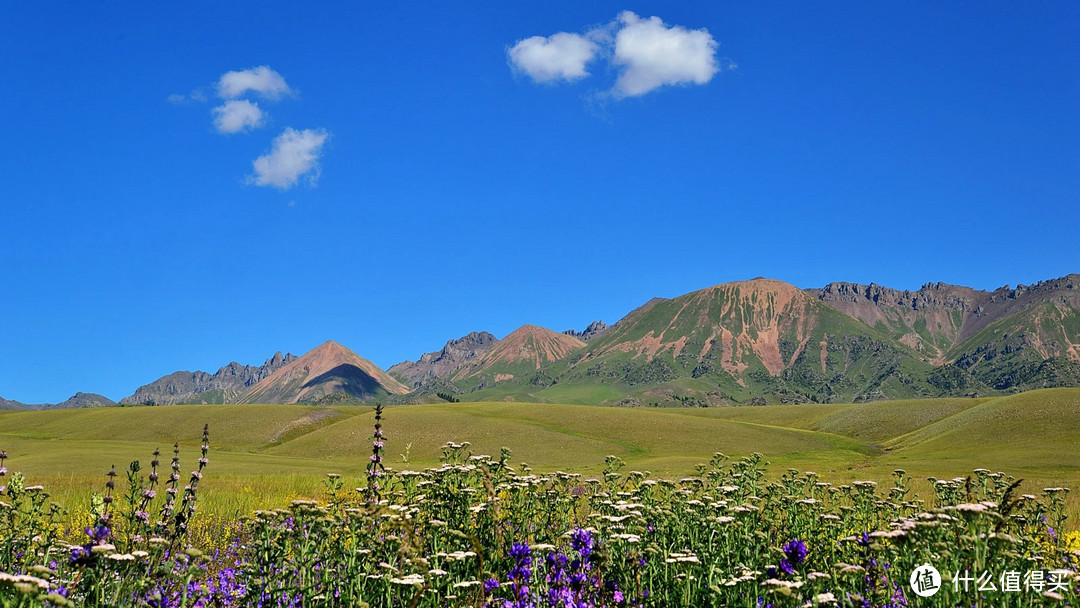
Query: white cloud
{"x": 561, "y": 56}
{"x": 292, "y": 155}
{"x": 237, "y": 115}
{"x": 263, "y": 80}
{"x": 196, "y": 96}
{"x": 655, "y": 55}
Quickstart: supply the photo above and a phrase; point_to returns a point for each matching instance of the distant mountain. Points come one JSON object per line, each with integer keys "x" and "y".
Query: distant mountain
{"x": 75, "y": 401}
{"x": 442, "y": 363}
{"x": 1038, "y": 347}
{"x": 766, "y": 341}
{"x": 223, "y": 386}
{"x": 327, "y": 373}
{"x": 8, "y": 404}
{"x": 929, "y": 320}
{"x": 517, "y": 357}
{"x": 85, "y": 400}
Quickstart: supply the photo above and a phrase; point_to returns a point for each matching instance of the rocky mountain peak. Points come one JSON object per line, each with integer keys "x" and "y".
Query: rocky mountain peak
{"x": 444, "y": 362}
{"x": 937, "y": 296}
{"x": 81, "y": 399}
{"x": 327, "y": 371}
{"x": 594, "y": 329}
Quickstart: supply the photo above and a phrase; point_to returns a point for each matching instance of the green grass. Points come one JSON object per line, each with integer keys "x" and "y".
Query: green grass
{"x": 236, "y": 427}
{"x": 1037, "y": 430}
{"x": 264, "y": 454}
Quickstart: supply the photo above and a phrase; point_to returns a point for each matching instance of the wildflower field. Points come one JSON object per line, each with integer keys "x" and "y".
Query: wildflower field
{"x": 395, "y": 519}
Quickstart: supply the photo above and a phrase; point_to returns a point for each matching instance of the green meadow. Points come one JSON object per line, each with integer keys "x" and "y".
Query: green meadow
{"x": 265, "y": 455}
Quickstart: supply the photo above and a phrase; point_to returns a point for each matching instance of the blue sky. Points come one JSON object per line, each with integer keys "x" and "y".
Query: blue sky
{"x": 433, "y": 174}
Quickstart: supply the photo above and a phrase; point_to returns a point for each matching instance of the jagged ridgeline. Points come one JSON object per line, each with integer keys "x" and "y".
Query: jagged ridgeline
{"x": 223, "y": 386}
{"x": 328, "y": 374}
{"x": 746, "y": 342}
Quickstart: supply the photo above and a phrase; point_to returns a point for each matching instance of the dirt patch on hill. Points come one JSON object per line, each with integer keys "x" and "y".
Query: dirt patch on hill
{"x": 306, "y": 423}
{"x": 767, "y": 347}
{"x": 911, "y": 340}
{"x": 677, "y": 346}
{"x": 730, "y": 360}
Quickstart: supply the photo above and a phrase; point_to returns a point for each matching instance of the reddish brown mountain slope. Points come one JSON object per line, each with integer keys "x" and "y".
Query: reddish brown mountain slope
{"x": 325, "y": 370}
{"x": 735, "y": 322}
{"x": 527, "y": 347}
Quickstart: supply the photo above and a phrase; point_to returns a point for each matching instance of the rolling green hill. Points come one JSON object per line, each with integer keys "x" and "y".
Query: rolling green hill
{"x": 261, "y": 454}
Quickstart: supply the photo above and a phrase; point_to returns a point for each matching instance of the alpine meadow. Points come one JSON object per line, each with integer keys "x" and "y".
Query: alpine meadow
{"x": 539, "y": 305}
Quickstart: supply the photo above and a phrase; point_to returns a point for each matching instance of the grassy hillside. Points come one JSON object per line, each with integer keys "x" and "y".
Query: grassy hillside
{"x": 264, "y": 454}
{"x": 236, "y": 428}
{"x": 1038, "y": 431}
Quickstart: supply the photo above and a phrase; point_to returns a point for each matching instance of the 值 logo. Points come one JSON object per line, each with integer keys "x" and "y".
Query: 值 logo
{"x": 925, "y": 580}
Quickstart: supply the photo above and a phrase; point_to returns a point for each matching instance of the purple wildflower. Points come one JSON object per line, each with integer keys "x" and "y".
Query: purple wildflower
{"x": 582, "y": 542}
{"x": 80, "y": 556}
{"x": 98, "y": 534}
{"x": 795, "y": 550}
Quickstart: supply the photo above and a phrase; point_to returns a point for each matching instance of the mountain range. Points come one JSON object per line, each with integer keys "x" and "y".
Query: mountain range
{"x": 223, "y": 386}
{"x": 75, "y": 401}
{"x": 745, "y": 342}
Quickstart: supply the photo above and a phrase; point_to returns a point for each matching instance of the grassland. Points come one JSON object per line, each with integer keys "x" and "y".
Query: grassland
{"x": 264, "y": 455}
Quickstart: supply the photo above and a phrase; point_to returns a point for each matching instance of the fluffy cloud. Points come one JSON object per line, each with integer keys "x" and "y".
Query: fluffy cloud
{"x": 262, "y": 80}
{"x": 655, "y": 55}
{"x": 292, "y": 155}
{"x": 237, "y": 115}
{"x": 560, "y": 56}
{"x": 648, "y": 54}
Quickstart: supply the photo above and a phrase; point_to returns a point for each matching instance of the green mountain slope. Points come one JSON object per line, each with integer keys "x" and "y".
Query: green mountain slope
{"x": 522, "y": 358}
{"x": 737, "y": 341}
{"x": 1038, "y": 347}
{"x": 929, "y": 320}
{"x": 764, "y": 341}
